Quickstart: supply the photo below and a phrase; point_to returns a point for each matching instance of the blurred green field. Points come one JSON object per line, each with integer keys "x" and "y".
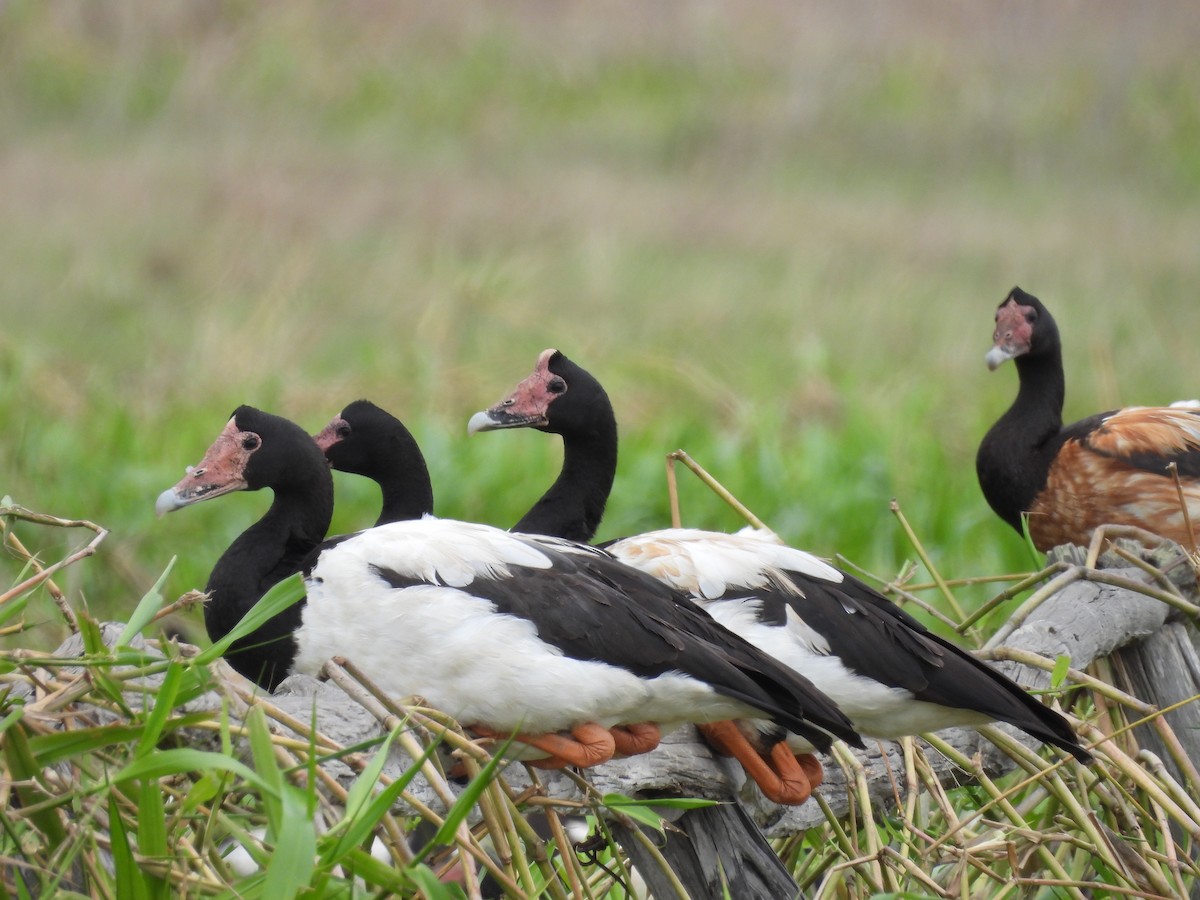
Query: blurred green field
{"x": 777, "y": 234}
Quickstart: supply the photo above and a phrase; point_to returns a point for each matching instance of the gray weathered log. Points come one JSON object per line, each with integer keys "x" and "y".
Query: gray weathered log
{"x": 1162, "y": 667}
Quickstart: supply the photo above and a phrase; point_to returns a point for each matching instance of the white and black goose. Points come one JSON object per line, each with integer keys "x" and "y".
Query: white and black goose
{"x": 884, "y": 669}
{"x": 511, "y": 634}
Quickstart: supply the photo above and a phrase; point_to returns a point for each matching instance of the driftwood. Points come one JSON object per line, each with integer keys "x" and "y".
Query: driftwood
{"x": 1163, "y": 667}
{"x": 1085, "y": 621}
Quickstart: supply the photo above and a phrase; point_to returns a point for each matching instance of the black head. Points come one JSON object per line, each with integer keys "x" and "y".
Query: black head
{"x": 363, "y": 439}
{"x": 558, "y": 397}
{"x": 255, "y": 450}
{"x": 366, "y": 440}
{"x": 1024, "y": 327}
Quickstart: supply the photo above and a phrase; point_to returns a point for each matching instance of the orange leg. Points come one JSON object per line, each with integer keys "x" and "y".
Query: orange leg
{"x": 589, "y": 745}
{"x": 638, "y": 737}
{"x": 784, "y": 779}
{"x": 812, "y": 768}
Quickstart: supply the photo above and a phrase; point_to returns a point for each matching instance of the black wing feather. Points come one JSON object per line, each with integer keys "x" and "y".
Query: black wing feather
{"x": 877, "y": 639}
{"x": 594, "y": 607}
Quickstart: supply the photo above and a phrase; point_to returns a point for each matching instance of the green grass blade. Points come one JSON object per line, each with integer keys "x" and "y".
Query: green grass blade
{"x": 130, "y": 879}
{"x": 359, "y": 794}
{"x": 152, "y": 836}
{"x": 94, "y": 646}
{"x": 294, "y": 860}
{"x": 61, "y": 745}
{"x": 146, "y": 609}
{"x": 58, "y": 746}
{"x": 11, "y": 719}
{"x": 620, "y": 801}
{"x": 640, "y": 813}
{"x": 276, "y": 600}
{"x": 263, "y": 752}
{"x": 381, "y": 876}
{"x": 1058, "y": 675}
{"x": 364, "y": 813}
{"x": 202, "y": 791}
{"x": 13, "y": 608}
{"x": 22, "y": 766}
{"x": 466, "y": 800}
{"x": 89, "y": 633}
{"x": 427, "y": 882}
{"x": 180, "y": 761}
{"x": 160, "y": 710}
{"x": 197, "y": 680}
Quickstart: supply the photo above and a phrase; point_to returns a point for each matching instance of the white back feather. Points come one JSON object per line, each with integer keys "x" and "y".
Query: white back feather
{"x": 707, "y": 564}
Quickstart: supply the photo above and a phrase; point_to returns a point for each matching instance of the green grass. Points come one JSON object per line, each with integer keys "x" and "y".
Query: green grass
{"x": 777, "y": 236}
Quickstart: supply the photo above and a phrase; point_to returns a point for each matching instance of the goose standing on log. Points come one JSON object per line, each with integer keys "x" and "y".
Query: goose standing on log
{"x": 1110, "y": 468}
{"x": 510, "y": 634}
{"x": 887, "y": 672}
{"x": 364, "y": 436}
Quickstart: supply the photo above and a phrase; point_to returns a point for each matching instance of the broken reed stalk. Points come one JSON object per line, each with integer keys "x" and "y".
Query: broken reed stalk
{"x": 1173, "y": 468}
{"x": 946, "y": 593}
{"x": 898, "y": 589}
{"x": 1023, "y": 583}
{"x": 43, "y": 574}
{"x": 715, "y": 486}
{"x": 53, "y": 589}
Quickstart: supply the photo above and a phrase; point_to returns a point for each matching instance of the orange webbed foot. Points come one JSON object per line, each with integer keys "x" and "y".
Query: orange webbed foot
{"x": 784, "y": 779}
{"x": 588, "y": 745}
{"x": 635, "y": 738}
{"x": 812, "y": 768}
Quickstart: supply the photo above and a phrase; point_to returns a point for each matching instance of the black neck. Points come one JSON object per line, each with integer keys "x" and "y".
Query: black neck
{"x": 407, "y": 489}
{"x": 270, "y": 550}
{"x": 1043, "y": 390}
{"x": 574, "y": 505}
{"x": 1014, "y": 458}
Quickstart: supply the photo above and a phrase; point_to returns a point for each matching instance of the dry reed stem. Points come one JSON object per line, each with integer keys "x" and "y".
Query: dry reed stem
{"x": 903, "y": 593}
{"x": 561, "y": 841}
{"x": 53, "y": 589}
{"x": 44, "y": 574}
{"x": 715, "y": 486}
{"x": 947, "y": 594}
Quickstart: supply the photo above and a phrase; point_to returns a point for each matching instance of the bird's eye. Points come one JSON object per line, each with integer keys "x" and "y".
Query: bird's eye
{"x": 1031, "y": 317}
{"x": 250, "y": 442}
{"x": 556, "y": 386}
{"x": 342, "y": 430}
